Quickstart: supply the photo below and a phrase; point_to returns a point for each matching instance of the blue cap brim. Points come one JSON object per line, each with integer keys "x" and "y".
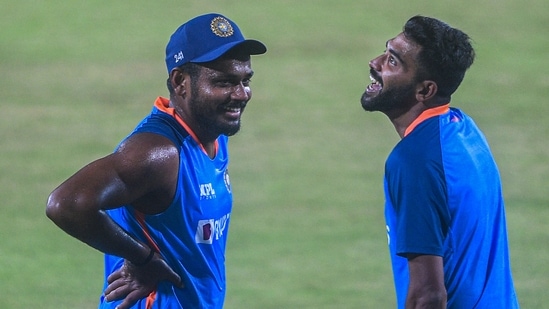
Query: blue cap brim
{"x": 250, "y": 47}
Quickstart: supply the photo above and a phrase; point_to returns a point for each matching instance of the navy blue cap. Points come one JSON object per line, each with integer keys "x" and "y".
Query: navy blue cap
{"x": 206, "y": 38}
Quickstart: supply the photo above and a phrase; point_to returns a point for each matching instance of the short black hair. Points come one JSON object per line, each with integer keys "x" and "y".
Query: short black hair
{"x": 191, "y": 68}
{"x": 445, "y": 55}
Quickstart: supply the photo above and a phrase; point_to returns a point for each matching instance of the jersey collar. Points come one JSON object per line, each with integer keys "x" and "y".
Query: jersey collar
{"x": 163, "y": 104}
{"x": 428, "y": 113}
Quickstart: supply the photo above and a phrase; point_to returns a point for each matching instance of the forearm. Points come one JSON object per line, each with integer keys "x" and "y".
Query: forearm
{"x": 98, "y": 230}
{"x": 108, "y": 237}
{"x": 426, "y": 288}
{"x": 426, "y": 300}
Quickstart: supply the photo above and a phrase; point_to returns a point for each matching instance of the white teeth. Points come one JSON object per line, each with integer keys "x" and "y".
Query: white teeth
{"x": 374, "y": 80}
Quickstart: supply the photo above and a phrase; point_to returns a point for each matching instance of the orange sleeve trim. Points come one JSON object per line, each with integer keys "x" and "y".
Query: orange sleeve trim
{"x": 141, "y": 219}
{"x": 163, "y": 104}
{"x": 429, "y": 113}
{"x": 150, "y": 300}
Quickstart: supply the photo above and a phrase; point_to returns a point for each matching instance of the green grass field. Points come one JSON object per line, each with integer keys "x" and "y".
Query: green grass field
{"x": 307, "y": 228}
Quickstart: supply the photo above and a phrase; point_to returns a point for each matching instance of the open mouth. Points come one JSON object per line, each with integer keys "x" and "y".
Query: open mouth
{"x": 233, "y": 111}
{"x": 375, "y": 86}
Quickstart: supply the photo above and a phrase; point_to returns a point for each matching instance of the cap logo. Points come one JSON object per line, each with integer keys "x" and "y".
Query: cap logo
{"x": 221, "y": 27}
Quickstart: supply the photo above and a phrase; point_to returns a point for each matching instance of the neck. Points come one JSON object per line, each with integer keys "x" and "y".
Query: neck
{"x": 207, "y": 143}
{"x": 210, "y": 149}
{"x": 401, "y": 120}
{"x": 405, "y": 126}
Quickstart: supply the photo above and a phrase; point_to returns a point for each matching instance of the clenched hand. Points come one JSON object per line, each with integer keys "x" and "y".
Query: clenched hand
{"x": 133, "y": 283}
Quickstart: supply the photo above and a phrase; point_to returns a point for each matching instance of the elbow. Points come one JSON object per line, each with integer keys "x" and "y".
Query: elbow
{"x": 74, "y": 213}
{"x": 63, "y": 210}
{"x": 54, "y": 208}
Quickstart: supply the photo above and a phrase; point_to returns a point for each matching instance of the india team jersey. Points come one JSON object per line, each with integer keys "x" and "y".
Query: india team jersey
{"x": 191, "y": 234}
{"x": 444, "y": 198}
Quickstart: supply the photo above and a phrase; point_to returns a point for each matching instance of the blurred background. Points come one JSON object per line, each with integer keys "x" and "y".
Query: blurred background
{"x": 307, "y": 228}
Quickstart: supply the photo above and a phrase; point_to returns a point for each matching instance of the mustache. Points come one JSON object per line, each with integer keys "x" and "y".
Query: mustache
{"x": 237, "y": 104}
{"x": 376, "y": 76}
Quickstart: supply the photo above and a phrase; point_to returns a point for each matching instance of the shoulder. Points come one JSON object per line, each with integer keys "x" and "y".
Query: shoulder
{"x": 148, "y": 165}
{"x": 164, "y": 124}
{"x": 144, "y": 149}
{"x": 417, "y": 158}
{"x": 423, "y": 144}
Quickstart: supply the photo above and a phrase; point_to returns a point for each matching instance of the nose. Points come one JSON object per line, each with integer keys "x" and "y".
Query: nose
{"x": 241, "y": 92}
{"x": 375, "y": 63}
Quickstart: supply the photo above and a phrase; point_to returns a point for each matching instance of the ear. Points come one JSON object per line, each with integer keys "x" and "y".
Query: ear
{"x": 180, "y": 82}
{"x": 426, "y": 90}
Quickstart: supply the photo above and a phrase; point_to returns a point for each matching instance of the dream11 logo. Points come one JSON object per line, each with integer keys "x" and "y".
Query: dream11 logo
{"x": 208, "y": 230}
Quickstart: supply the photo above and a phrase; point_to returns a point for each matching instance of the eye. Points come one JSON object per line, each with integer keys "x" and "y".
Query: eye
{"x": 392, "y": 60}
{"x": 225, "y": 83}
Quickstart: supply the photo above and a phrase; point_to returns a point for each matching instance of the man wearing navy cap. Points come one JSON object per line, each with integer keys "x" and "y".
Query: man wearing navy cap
{"x": 159, "y": 207}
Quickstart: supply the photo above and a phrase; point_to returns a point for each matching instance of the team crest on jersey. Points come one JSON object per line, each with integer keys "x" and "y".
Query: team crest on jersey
{"x": 227, "y": 180}
{"x": 221, "y": 27}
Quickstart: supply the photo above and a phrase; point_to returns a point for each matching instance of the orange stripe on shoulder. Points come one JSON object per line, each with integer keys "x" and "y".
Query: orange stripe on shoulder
{"x": 429, "y": 113}
{"x": 163, "y": 104}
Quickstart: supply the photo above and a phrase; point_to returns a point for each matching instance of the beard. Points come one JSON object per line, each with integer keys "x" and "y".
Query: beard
{"x": 389, "y": 100}
{"x": 229, "y": 129}
{"x": 210, "y": 120}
